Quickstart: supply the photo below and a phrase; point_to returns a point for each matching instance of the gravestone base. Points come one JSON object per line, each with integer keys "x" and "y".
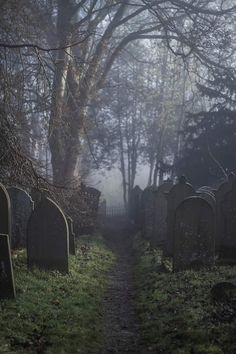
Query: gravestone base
{"x": 46, "y": 265}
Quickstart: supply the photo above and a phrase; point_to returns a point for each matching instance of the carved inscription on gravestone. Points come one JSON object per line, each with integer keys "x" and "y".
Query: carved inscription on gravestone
{"x": 47, "y": 237}
{"x": 21, "y": 208}
{"x": 7, "y": 285}
{"x": 194, "y": 242}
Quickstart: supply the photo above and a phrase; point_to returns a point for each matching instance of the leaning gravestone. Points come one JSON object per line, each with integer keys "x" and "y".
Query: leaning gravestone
{"x": 7, "y": 284}
{"x": 47, "y": 237}
{"x": 5, "y": 212}
{"x": 160, "y": 213}
{"x": 135, "y": 205}
{"x": 223, "y": 189}
{"x": 148, "y": 207}
{"x": 71, "y": 236}
{"x": 194, "y": 242}
{"x": 175, "y": 196}
{"x": 21, "y": 209}
{"x": 228, "y": 207}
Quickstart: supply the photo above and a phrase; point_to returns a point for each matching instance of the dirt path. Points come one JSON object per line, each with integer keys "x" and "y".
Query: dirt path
{"x": 121, "y": 326}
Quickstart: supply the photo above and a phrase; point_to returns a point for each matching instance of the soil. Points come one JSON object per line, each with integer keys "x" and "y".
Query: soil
{"x": 121, "y": 326}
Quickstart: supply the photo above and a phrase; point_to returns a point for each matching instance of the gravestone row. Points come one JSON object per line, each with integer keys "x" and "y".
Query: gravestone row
{"x": 41, "y": 227}
{"x": 189, "y": 225}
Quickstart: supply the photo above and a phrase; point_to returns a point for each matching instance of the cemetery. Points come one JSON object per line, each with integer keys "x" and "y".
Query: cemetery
{"x": 118, "y": 177}
{"x": 53, "y": 283}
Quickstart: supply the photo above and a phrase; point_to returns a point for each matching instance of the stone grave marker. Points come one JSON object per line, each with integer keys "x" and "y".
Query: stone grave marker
{"x": 160, "y": 213}
{"x": 148, "y": 207}
{"x": 194, "y": 242}
{"x": 5, "y": 212}
{"x": 209, "y": 195}
{"x": 47, "y": 237}
{"x": 135, "y": 205}
{"x": 21, "y": 209}
{"x": 175, "y": 196}
{"x": 71, "y": 236}
{"x": 7, "y": 284}
{"x": 228, "y": 205}
{"x": 223, "y": 189}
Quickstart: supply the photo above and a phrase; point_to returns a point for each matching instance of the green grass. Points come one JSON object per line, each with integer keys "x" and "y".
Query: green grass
{"x": 55, "y": 313}
{"x": 176, "y": 312}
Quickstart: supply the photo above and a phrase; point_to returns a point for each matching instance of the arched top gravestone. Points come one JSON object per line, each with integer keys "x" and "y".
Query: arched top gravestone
{"x": 160, "y": 209}
{"x": 135, "y": 204}
{"x": 223, "y": 189}
{"x": 21, "y": 209}
{"x": 5, "y": 212}
{"x": 148, "y": 206}
{"x": 175, "y": 196}
{"x": 194, "y": 242}
{"x": 179, "y": 192}
{"x": 47, "y": 237}
{"x": 208, "y": 194}
{"x": 228, "y": 208}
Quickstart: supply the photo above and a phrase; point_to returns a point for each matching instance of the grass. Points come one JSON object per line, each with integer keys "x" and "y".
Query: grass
{"x": 55, "y": 313}
{"x": 176, "y": 312}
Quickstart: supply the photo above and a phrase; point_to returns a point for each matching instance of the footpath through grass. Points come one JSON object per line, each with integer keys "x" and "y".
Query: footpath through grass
{"x": 55, "y": 313}
{"x": 176, "y": 311}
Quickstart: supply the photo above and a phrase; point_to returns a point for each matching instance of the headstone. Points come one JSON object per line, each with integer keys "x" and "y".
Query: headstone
{"x": 148, "y": 207}
{"x": 135, "y": 205}
{"x": 223, "y": 189}
{"x": 228, "y": 207}
{"x": 5, "y": 212}
{"x": 175, "y": 196}
{"x": 47, "y": 237}
{"x": 160, "y": 213}
{"x": 7, "y": 284}
{"x": 21, "y": 209}
{"x": 71, "y": 236}
{"x": 208, "y": 194}
{"x": 194, "y": 243}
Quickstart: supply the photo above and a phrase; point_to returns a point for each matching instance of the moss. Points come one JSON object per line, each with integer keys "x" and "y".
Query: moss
{"x": 177, "y": 314}
{"x": 55, "y": 313}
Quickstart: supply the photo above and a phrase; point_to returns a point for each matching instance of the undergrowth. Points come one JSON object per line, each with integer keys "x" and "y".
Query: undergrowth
{"x": 176, "y": 311}
{"x": 55, "y": 313}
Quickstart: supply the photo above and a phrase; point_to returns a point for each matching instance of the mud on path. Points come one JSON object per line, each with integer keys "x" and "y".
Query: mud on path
{"x": 121, "y": 325}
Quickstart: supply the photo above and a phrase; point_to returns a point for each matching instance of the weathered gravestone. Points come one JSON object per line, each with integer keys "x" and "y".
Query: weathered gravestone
{"x": 148, "y": 208}
{"x": 7, "y": 284}
{"x": 228, "y": 207}
{"x": 71, "y": 236}
{"x": 175, "y": 196}
{"x": 135, "y": 205}
{"x": 47, "y": 237}
{"x": 21, "y": 209}
{"x": 194, "y": 241}
{"x": 5, "y": 212}
{"x": 208, "y": 194}
{"x": 223, "y": 189}
{"x": 160, "y": 213}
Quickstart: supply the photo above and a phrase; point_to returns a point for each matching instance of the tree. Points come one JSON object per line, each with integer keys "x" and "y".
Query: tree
{"x": 87, "y": 36}
{"x": 208, "y": 153}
